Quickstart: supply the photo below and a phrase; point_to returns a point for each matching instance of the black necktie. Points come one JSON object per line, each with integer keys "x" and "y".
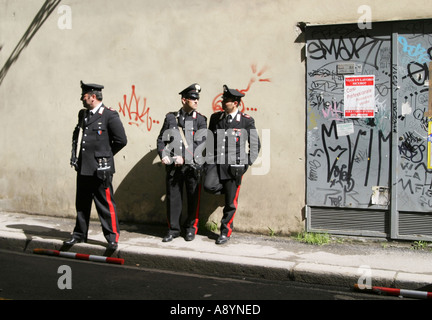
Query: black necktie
{"x": 89, "y": 115}
{"x": 181, "y": 121}
{"x": 228, "y": 119}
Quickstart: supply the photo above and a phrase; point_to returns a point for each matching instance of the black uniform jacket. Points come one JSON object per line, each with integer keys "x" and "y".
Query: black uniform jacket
{"x": 102, "y": 137}
{"x": 170, "y": 143}
{"x": 226, "y": 136}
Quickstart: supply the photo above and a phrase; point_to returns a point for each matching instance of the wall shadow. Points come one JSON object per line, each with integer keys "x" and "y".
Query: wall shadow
{"x": 31, "y": 231}
{"x": 34, "y": 230}
{"x": 140, "y": 198}
{"x": 42, "y": 15}
{"x": 48, "y": 233}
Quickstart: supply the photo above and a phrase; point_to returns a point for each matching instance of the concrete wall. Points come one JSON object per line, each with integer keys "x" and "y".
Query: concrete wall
{"x": 144, "y": 52}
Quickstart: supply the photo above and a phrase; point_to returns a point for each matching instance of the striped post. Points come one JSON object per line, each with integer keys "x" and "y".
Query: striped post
{"x": 399, "y": 292}
{"x": 79, "y": 256}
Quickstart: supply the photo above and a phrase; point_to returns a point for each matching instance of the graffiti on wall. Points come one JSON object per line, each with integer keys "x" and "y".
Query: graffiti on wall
{"x": 136, "y": 110}
{"x": 347, "y": 157}
{"x": 256, "y": 77}
{"x": 414, "y": 182}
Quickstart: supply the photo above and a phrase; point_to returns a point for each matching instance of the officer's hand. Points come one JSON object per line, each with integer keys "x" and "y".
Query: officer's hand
{"x": 178, "y": 161}
{"x": 166, "y": 160}
{"x": 74, "y": 163}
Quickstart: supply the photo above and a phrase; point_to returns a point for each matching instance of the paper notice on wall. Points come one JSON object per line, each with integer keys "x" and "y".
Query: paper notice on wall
{"x": 359, "y": 96}
{"x": 380, "y": 196}
{"x": 345, "y": 129}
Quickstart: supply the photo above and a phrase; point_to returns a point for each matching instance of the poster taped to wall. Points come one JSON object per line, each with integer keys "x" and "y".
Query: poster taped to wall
{"x": 359, "y": 96}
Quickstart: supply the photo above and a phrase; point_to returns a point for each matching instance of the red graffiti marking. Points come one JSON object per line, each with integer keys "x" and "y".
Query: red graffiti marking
{"x": 131, "y": 109}
{"x": 217, "y": 101}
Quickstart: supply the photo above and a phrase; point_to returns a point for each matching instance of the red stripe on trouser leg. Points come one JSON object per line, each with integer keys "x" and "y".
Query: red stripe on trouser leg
{"x": 235, "y": 202}
{"x": 112, "y": 213}
{"x": 197, "y": 210}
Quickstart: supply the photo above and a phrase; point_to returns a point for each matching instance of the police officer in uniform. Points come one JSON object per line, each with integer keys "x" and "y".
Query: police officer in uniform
{"x": 98, "y": 136}
{"x": 231, "y": 129}
{"x": 180, "y": 145}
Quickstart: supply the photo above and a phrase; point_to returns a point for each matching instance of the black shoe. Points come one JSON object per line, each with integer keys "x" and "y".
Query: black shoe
{"x": 222, "y": 239}
{"x": 72, "y": 241}
{"x": 169, "y": 237}
{"x": 190, "y": 236}
{"x": 112, "y": 246}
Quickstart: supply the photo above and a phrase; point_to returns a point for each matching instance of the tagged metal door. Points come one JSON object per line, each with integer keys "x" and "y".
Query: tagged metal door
{"x": 412, "y": 177}
{"x": 366, "y": 132}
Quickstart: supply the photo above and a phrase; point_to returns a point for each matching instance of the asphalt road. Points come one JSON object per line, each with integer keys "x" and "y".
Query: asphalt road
{"x": 25, "y": 276}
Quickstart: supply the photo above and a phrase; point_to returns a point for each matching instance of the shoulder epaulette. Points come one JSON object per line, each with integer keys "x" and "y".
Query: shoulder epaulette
{"x": 104, "y": 107}
{"x": 201, "y": 114}
{"x": 172, "y": 113}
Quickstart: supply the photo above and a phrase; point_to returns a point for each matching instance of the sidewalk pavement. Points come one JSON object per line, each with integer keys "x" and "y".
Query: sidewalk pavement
{"x": 340, "y": 263}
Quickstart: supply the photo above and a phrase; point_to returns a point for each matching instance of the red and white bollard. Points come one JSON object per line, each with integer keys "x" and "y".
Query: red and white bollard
{"x": 79, "y": 256}
{"x": 398, "y": 292}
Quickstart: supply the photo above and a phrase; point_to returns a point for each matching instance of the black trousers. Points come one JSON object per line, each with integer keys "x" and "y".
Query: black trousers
{"x": 213, "y": 184}
{"x": 176, "y": 179}
{"x": 91, "y": 188}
